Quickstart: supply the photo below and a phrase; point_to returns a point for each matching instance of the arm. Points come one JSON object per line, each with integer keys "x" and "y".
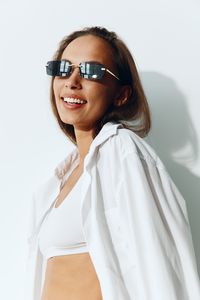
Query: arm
{"x": 151, "y": 227}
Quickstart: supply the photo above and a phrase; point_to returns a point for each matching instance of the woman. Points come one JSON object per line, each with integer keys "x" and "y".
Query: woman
{"x": 110, "y": 223}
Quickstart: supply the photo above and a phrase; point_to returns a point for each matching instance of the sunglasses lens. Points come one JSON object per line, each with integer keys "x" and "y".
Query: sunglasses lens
{"x": 91, "y": 70}
{"x": 52, "y": 68}
{"x": 58, "y": 68}
{"x": 65, "y": 68}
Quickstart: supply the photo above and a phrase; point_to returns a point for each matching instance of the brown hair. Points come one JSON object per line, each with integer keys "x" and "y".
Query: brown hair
{"x": 134, "y": 109}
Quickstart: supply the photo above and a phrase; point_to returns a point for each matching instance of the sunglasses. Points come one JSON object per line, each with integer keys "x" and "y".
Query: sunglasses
{"x": 88, "y": 70}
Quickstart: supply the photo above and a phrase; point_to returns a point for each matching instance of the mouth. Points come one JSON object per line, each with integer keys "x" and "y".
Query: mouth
{"x": 73, "y": 102}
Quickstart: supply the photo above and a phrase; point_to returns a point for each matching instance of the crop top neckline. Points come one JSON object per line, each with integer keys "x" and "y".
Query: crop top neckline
{"x": 68, "y": 195}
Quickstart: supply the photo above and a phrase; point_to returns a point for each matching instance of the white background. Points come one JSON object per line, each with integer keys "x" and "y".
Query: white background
{"x": 163, "y": 37}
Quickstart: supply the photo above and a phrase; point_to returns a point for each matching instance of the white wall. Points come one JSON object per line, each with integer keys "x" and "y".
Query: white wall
{"x": 164, "y": 39}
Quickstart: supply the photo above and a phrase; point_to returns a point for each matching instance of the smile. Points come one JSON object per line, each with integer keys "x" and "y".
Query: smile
{"x": 73, "y": 100}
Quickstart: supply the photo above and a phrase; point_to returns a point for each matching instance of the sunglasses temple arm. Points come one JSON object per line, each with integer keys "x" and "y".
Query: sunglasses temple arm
{"x": 112, "y": 74}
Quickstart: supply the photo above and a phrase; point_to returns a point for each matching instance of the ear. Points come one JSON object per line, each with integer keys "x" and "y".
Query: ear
{"x": 122, "y": 95}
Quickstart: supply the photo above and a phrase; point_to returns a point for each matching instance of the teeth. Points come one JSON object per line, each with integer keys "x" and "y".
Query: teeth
{"x": 72, "y": 100}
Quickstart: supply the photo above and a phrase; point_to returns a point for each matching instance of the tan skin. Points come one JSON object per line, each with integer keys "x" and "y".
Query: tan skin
{"x": 73, "y": 277}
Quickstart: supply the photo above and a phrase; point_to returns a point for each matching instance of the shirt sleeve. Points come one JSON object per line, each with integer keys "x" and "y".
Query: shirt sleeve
{"x": 34, "y": 260}
{"x": 151, "y": 225}
{"x": 31, "y": 218}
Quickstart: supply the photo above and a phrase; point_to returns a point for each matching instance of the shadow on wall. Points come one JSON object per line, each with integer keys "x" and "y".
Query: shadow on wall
{"x": 175, "y": 141}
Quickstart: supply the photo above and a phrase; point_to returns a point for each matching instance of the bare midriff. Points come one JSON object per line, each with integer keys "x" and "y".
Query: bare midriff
{"x": 71, "y": 277}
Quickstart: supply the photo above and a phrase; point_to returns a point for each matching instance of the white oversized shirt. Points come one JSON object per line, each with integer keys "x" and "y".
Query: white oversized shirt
{"x": 134, "y": 220}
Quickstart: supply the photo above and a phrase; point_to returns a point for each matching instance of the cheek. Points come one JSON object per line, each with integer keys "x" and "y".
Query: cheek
{"x": 100, "y": 102}
{"x": 56, "y": 91}
{"x": 106, "y": 97}
{"x": 100, "y": 91}
{"x": 56, "y": 88}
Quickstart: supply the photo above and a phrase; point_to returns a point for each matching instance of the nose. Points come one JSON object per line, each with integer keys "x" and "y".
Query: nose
{"x": 73, "y": 81}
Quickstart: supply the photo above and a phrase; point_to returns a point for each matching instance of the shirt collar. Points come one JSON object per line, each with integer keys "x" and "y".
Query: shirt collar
{"x": 108, "y": 129}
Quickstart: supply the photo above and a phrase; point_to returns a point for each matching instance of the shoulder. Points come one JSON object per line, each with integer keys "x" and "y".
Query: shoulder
{"x": 46, "y": 186}
{"x": 43, "y": 193}
{"x": 48, "y": 189}
{"x": 125, "y": 143}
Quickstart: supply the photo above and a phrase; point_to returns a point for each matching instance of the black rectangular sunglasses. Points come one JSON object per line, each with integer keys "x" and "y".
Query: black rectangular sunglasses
{"x": 88, "y": 70}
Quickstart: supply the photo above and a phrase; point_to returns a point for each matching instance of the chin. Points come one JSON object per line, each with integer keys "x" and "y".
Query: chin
{"x": 67, "y": 122}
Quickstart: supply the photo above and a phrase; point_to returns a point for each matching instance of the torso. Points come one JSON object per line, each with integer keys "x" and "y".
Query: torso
{"x": 71, "y": 276}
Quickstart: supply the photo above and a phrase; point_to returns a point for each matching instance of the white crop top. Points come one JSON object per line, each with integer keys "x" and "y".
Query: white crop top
{"x": 61, "y": 232}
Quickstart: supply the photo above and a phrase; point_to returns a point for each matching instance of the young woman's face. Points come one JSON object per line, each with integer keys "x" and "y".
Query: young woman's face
{"x": 98, "y": 94}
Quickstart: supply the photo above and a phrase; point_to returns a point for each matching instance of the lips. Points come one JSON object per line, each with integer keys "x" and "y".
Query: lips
{"x": 72, "y": 106}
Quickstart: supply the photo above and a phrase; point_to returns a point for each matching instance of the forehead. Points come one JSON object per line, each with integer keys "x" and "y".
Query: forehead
{"x": 87, "y": 48}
